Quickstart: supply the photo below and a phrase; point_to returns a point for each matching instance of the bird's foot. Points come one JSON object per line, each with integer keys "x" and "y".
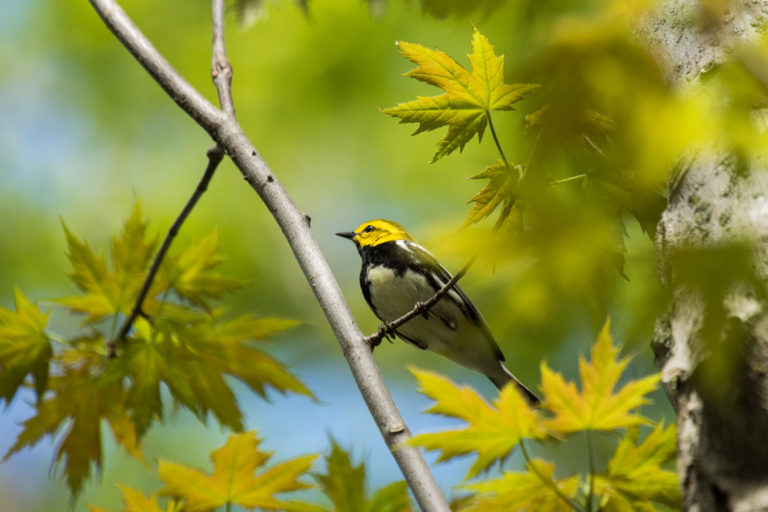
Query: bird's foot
{"x": 421, "y": 308}
{"x": 386, "y": 331}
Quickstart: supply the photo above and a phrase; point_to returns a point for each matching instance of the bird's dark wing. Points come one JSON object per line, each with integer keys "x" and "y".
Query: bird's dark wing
{"x": 438, "y": 276}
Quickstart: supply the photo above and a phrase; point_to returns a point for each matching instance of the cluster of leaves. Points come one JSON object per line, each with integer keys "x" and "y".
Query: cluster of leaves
{"x": 240, "y": 478}
{"x": 524, "y": 194}
{"x": 634, "y": 478}
{"x": 183, "y": 344}
{"x": 600, "y": 141}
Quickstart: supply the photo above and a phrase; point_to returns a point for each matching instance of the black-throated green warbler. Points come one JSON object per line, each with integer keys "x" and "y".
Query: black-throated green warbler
{"x": 398, "y": 273}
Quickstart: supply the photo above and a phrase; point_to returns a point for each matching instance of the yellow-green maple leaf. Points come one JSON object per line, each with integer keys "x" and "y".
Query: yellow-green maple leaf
{"x": 492, "y": 431}
{"x": 190, "y": 273}
{"x": 109, "y": 291}
{"x": 498, "y": 191}
{"x": 524, "y": 491}
{"x": 233, "y": 479}
{"x": 192, "y": 353}
{"x": 598, "y": 406}
{"x": 24, "y": 347}
{"x": 469, "y": 97}
{"x": 635, "y": 474}
{"x": 79, "y": 400}
{"x": 135, "y": 501}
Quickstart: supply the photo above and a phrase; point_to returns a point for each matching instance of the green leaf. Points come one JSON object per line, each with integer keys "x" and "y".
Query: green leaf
{"x": 191, "y": 353}
{"x": 498, "y": 191}
{"x": 189, "y": 272}
{"x": 492, "y": 432}
{"x": 390, "y": 498}
{"x": 233, "y": 480}
{"x": 109, "y": 292}
{"x": 344, "y": 484}
{"x": 24, "y": 347}
{"x": 79, "y": 402}
{"x": 635, "y": 474}
{"x": 531, "y": 490}
{"x": 468, "y": 99}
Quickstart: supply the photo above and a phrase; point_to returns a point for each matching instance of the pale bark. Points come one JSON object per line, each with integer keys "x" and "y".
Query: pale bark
{"x": 714, "y": 200}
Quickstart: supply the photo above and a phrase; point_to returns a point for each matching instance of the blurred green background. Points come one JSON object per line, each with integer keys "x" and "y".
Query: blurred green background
{"x": 84, "y": 132}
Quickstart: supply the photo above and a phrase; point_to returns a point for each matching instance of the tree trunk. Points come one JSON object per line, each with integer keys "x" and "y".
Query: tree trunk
{"x": 714, "y": 371}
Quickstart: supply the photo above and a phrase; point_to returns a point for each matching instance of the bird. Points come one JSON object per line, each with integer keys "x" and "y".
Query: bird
{"x": 397, "y": 274}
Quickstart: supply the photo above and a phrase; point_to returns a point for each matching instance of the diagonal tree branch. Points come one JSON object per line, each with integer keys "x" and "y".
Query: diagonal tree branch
{"x": 229, "y": 136}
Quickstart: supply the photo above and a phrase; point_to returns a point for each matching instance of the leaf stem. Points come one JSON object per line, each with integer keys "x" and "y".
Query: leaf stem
{"x": 498, "y": 143}
{"x": 591, "y": 460}
{"x": 566, "y": 180}
{"x": 547, "y": 481}
{"x": 593, "y": 145}
{"x": 114, "y": 323}
{"x": 533, "y": 153}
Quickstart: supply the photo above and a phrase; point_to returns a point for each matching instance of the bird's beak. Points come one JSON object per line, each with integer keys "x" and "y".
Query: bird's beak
{"x": 347, "y": 234}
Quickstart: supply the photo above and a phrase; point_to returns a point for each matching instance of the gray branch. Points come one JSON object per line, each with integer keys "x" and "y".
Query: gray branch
{"x": 221, "y": 69}
{"x": 227, "y": 133}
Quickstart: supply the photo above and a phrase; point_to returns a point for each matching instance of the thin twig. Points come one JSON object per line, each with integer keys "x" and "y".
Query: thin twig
{"x": 221, "y": 69}
{"x": 215, "y": 154}
{"x": 419, "y": 308}
{"x": 592, "y": 145}
{"x": 566, "y": 180}
{"x": 533, "y": 153}
{"x": 548, "y": 481}
{"x": 229, "y": 135}
{"x": 498, "y": 144}
{"x": 591, "y": 459}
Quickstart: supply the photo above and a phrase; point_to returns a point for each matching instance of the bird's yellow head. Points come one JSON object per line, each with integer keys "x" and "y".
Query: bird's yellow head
{"x": 375, "y": 232}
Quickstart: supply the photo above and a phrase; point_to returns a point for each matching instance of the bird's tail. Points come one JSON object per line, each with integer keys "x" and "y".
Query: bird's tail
{"x": 500, "y": 379}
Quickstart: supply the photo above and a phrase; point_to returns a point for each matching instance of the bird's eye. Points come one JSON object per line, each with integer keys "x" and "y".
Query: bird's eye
{"x": 368, "y": 228}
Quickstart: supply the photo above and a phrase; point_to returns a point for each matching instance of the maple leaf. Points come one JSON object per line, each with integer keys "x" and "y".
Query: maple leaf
{"x": 635, "y": 475}
{"x": 24, "y": 347}
{"x": 499, "y": 191}
{"x": 492, "y": 431}
{"x": 344, "y": 484}
{"x": 597, "y": 406}
{"x": 136, "y": 502}
{"x": 109, "y": 292}
{"x": 79, "y": 401}
{"x": 189, "y": 272}
{"x": 192, "y": 354}
{"x": 233, "y": 480}
{"x": 469, "y": 97}
{"x": 525, "y": 491}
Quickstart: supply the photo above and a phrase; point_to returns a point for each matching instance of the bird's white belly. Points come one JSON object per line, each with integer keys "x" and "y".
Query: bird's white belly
{"x": 394, "y": 295}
